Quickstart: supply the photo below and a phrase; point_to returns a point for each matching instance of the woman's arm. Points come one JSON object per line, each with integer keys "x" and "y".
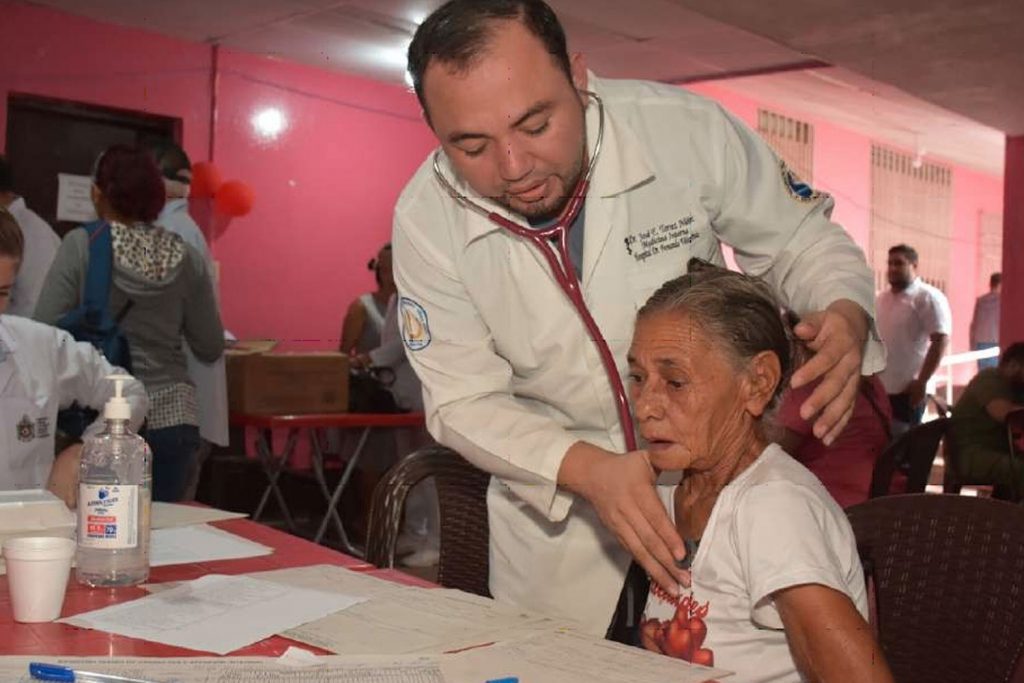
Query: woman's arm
{"x": 352, "y": 328}
{"x": 829, "y": 639}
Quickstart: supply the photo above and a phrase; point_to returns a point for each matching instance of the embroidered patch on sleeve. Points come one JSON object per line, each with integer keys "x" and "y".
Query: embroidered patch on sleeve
{"x": 415, "y": 325}
{"x": 798, "y": 189}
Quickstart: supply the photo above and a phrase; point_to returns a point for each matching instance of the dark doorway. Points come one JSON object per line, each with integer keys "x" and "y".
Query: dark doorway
{"x": 47, "y": 136}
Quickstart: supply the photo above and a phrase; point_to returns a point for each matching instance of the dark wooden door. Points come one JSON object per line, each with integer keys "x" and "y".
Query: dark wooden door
{"x": 46, "y": 137}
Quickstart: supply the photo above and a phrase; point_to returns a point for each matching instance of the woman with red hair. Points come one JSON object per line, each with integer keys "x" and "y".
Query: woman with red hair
{"x": 162, "y": 291}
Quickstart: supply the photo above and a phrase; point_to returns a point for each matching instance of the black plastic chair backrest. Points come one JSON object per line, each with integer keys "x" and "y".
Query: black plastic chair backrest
{"x": 915, "y": 450}
{"x": 462, "y": 502}
{"x": 948, "y": 575}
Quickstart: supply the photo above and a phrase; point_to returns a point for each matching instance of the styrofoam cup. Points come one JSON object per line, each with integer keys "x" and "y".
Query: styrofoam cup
{"x": 37, "y": 575}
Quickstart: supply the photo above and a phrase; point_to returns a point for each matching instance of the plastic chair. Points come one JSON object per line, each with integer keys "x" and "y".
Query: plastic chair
{"x": 948, "y": 575}
{"x": 462, "y": 502}
{"x": 914, "y": 451}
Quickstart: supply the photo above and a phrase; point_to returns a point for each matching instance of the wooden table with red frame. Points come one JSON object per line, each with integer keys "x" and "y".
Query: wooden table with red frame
{"x": 64, "y": 640}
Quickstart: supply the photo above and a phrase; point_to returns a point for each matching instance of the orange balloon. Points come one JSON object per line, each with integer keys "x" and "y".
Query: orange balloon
{"x": 234, "y": 198}
{"x": 206, "y": 180}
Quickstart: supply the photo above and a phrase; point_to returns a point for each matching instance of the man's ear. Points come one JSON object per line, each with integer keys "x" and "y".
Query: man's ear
{"x": 763, "y": 375}
{"x": 578, "y": 69}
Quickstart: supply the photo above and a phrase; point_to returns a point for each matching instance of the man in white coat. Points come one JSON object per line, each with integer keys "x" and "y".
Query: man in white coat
{"x": 511, "y": 378}
{"x": 210, "y": 378}
{"x": 43, "y": 369}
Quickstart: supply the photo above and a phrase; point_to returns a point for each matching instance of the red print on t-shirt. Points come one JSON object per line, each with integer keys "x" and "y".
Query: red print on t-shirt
{"x": 681, "y": 636}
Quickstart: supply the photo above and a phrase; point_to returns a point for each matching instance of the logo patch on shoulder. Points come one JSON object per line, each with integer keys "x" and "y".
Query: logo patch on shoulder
{"x": 415, "y": 326}
{"x": 26, "y": 429}
{"x": 798, "y": 189}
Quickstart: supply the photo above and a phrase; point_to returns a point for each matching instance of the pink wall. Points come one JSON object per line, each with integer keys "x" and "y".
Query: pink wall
{"x": 324, "y": 188}
{"x": 1011, "y": 321}
{"x": 842, "y": 167}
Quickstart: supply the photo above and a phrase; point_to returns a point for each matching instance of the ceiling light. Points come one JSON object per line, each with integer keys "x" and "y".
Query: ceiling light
{"x": 269, "y": 123}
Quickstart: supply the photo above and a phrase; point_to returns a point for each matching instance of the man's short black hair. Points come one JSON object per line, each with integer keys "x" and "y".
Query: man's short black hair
{"x": 995, "y": 280}
{"x": 6, "y": 176}
{"x": 458, "y": 32}
{"x": 906, "y": 250}
{"x": 172, "y": 161}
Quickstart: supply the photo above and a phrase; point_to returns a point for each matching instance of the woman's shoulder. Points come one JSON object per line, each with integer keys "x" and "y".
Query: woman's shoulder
{"x": 776, "y": 475}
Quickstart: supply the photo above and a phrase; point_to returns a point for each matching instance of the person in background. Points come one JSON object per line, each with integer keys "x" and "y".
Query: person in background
{"x": 979, "y": 423}
{"x": 845, "y": 466}
{"x": 985, "y": 321}
{"x": 361, "y": 329}
{"x": 419, "y": 543}
{"x": 775, "y": 590}
{"x": 43, "y": 369}
{"x": 167, "y": 290}
{"x": 210, "y": 379}
{"x": 915, "y": 322}
{"x": 41, "y": 244}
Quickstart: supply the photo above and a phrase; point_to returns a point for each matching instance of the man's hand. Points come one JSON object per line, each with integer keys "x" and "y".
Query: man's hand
{"x": 836, "y": 336}
{"x": 63, "y": 481}
{"x": 622, "y": 490}
{"x": 916, "y": 391}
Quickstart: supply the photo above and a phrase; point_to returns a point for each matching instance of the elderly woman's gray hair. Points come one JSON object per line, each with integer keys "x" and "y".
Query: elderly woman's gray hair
{"x": 738, "y": 310}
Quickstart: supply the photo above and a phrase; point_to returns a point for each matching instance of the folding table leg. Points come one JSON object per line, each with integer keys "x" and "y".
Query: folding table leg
{"x": 321, "y": 478}
{"x": 346, "y": 474}
{"x": 273, "y": 465}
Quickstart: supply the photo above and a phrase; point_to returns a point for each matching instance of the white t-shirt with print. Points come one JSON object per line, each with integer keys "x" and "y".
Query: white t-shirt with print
{"x": 773, "y": 527}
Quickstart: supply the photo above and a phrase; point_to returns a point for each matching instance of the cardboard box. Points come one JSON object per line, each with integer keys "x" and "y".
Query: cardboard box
{"x": 287, "y": 383}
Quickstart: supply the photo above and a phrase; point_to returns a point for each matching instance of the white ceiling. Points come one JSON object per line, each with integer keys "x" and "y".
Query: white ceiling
{"x": 652, "y": 39}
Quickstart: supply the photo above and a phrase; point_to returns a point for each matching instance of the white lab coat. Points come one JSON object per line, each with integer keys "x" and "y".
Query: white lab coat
{"x": 511, "y": 379}
{"x": 41, "y": 244}
{"x": 43, "y": 369}
{"x": 210, "y": 379}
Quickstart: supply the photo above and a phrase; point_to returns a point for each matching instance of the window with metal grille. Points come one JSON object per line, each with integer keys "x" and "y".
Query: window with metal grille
{"x": 990, "y": 247}
{"x": 791, "y": 139}
{"x": 911, "y": 203}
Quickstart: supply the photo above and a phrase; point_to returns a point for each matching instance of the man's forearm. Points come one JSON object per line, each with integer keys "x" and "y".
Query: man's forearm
{"x": 933, "y": 358}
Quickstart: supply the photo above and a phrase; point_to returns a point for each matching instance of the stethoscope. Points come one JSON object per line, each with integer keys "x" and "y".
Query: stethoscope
{"x": 545, "y": 239}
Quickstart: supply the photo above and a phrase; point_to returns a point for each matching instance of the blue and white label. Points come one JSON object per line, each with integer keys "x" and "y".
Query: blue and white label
{"x": 108, "y": 516}
{"x": 415, "y": 325}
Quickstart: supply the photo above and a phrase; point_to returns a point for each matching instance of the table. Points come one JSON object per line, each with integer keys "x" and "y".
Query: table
{"x": 276, "y": 463}
{"x": 61, "y": 639}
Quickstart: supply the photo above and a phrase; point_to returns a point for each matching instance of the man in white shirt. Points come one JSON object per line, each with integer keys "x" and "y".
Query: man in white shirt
{"x": 985, "y": 322}
{"x": 41, "y": 244}
{"x": 915, "y": 322}
{"x": 512, "y": 377}
{"x": 210, "y": 378}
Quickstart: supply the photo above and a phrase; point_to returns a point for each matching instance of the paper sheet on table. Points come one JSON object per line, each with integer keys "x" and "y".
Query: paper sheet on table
{"x": 215, "y": 613}
{"x": 567, "y": 657}
{"x": 241, "y": 669}
{"x": 166, "y": 515}
{"x": 199, "y": 543}
{"x": 405, "y": 619}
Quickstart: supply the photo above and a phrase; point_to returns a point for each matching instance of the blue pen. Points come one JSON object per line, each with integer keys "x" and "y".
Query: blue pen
{"x": 62, "y": 674}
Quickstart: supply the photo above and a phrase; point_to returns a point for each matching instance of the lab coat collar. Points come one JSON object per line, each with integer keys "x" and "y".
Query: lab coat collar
{"x": 6, "y": 338}
{"x": 620, "y": 167}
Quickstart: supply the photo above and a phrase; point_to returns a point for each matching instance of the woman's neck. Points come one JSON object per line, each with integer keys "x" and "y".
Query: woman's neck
{"x": 697, "y": 493}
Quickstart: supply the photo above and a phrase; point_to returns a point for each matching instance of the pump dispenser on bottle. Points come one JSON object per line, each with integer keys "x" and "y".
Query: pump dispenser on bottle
{"x": 114, "y": 489}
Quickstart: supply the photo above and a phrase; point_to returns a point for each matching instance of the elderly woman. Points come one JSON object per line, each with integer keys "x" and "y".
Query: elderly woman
{"x": 776, "y": 590}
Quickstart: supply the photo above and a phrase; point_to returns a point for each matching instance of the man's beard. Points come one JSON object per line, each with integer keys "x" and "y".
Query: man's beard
{"x": 551, "y": 209}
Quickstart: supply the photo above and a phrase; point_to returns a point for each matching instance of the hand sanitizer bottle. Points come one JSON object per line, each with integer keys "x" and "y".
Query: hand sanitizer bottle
{"x": 114, "y": 489}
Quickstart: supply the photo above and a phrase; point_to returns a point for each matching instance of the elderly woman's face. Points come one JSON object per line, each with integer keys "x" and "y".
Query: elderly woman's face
{"x": 690, "y": 402}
